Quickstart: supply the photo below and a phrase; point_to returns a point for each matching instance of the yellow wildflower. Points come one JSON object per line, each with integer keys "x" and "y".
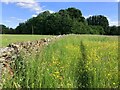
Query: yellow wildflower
{"x": 56, "y": 72}
{"x": 113, "y": 83}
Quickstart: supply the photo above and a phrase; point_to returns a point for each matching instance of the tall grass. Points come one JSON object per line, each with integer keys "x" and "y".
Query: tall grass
{"x": 71, "y": 62}
{"x": 7, "y": 39}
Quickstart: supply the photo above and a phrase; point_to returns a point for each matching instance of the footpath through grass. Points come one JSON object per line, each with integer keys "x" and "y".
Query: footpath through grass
{"x": 75, "y": 61}
{"x": 8, "y": 39}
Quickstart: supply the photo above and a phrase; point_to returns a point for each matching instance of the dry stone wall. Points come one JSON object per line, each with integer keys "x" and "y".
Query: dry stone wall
{"x": 12, "y": 51}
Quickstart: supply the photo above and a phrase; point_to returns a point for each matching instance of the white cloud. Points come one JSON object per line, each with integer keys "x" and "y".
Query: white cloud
{"x": 29, "y": 4}
{"x": 33, "y": 5}
{"x": 18, "y": 19}
{"x": 7, "y": 21}
{"x": 15, "y": 1}
{"x": 34, "y": 15}
{"x": 12, "y": 22}
{"x": 15, "y": 19}
{"x": 87, "y": 16}
{"x": 111, "y": 22}
{"x": 51, "y": 11}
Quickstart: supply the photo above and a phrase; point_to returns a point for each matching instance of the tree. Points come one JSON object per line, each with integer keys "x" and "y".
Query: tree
{"x": 20, "y": 29}
{"x": 114, "y": 30}
{"x": 3, "y": 29}
{"x": 52, "y": 24}
{"x": 96, "y": 30}
{"x": 75, "y": 14}
{"x": 80, "y": 28}
{"x": 6, "y": 30}
{"x": 99, "y": 20}
{"x": 65, "y": 21}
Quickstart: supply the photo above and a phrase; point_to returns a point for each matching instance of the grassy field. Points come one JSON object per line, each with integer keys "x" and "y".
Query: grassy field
{"x": 7, "y": 39}
{"x": 74, "y": 61}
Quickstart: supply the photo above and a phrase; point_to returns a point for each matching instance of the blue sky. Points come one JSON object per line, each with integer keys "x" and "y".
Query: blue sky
{"x": 15, "y": 12}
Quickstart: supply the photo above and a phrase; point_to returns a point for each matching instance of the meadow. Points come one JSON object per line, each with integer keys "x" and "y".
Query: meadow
{"x": 7, "y": 39}
{"x": 73, "y": 61}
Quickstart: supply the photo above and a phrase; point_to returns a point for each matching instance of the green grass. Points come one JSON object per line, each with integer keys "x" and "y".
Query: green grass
{"x": 7, "y": 39}
{"x": 75, "y": 61}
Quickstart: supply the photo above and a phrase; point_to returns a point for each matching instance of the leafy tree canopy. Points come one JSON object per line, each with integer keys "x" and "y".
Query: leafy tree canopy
{"x": 65, "y": 21}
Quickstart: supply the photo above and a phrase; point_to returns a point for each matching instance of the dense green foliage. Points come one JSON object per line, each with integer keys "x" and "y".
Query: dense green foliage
{"x": 73, "y": 61}
{"x": 114, "y": 30}
{"x": 65, "y": 21}
{"x": 100, "y": 21}
{"x": 6, "y": 30}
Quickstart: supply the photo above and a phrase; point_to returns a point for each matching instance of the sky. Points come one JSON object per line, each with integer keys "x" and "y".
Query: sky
{"x": 17, "y": 11}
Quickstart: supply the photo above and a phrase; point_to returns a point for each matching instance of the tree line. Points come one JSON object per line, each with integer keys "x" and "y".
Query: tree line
{"x": 65, "y": 21}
